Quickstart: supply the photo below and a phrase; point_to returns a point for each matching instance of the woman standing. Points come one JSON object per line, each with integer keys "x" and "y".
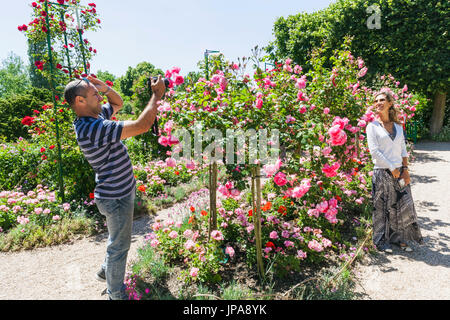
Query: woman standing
{"x": 394, "y": 215}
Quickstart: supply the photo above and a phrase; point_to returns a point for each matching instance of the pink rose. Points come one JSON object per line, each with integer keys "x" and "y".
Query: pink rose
{"x": 342, "y": 122}
{"x": 301, "y": 254}
{"x": 313, "y": 212}
{"x": 338, "y": 136}
{"x": 332, "y": 203}
{"x": 330, "y": 215}
{"x": 173, "y": 234}
{"x": 190, "y": 165}
{"x": 290, "y": 119}
{"x": 217, "y": 235}
{"x": 326, "y": 243}
{"x": 314, "y": 245}
{"x": 362, "y": 72}
{"x": 288, "y": 244}
{"x": 176, "y": 70}
{"x": 273, "y": 235}
{"x": 331, "y": 171}
{"x": 170, "y": 162}
{"x": 173, "y": 140}
{"x": 229, "y": 251}
{"x": 270, "y": 169}
{"x": 193, "y": 272}
{"x": 154, "y": 243}
{"x": 189, "y": 244}
{"x": 280, "y": 179}
{"x": 156, "y": 226}
{"x": 300, "y": 190}
{"x": 179, "y": 80}
{"x": 301, "y": 83}
{"x": 163, "y": 140}
{"x": 322, "y": 207}
{"x": 188, "y": 233}
{"x": 168, "y": 126}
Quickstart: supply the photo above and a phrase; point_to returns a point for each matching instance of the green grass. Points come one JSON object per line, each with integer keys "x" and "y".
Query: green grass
{"x": 33, "y": 236}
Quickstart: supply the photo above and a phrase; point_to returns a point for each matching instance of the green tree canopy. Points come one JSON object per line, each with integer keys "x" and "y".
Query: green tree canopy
{"x": 411, "y": 41}
{"x": 14, "y": 78}
{"x": 106, "y": 76}
{"x": 132, "y": 76}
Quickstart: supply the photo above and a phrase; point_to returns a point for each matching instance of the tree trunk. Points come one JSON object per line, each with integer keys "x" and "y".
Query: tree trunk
{"x": 437, "y": 118}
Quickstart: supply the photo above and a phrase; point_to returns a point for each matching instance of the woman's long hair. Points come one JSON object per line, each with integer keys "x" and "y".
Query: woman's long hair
{"x": 393, "y": 112}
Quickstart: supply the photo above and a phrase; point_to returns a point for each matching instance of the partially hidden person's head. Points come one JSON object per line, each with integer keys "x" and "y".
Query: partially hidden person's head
{"x": 83, "y": 97}
{"x": 384, "y": 104}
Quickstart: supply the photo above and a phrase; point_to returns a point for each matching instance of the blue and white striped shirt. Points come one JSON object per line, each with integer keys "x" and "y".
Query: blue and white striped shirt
{"x": 99, "y": 140}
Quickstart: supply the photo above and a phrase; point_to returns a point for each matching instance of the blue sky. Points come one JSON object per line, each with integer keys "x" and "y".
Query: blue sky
{"x": 165, "y": 33}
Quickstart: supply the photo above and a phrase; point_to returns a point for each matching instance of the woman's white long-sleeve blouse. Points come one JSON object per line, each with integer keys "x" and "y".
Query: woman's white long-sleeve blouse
{"x": 386, "y": 153}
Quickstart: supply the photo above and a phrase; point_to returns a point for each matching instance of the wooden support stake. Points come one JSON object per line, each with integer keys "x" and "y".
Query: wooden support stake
{"x": 257, "y": 222}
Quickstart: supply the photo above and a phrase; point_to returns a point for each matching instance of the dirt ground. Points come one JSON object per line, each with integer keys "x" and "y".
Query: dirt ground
{"x": 66, "y": 272}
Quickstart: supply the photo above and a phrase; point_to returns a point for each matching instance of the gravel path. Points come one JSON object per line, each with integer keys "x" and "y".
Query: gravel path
{"x": 425, "y": 273}
{"x": 67, "y": 271}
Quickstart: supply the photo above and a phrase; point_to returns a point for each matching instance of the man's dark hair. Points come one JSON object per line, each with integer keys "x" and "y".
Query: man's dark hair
{"x": 73, "y": 89}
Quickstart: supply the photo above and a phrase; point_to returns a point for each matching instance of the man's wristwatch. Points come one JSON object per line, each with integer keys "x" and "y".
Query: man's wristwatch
{"x": 405, "y": 167}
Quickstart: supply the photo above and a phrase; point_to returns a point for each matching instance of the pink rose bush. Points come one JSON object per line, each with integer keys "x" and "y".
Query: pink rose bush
{"x": 307, "y": 192}
{"x": 36, "y": 207}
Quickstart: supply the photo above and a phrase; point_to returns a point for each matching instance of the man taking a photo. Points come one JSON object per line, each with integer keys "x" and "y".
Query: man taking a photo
{"x": 99, "y": 138}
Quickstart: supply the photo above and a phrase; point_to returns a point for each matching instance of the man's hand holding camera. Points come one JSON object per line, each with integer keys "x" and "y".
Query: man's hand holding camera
{"x": 148, "y": 117}
{"x": 158, "y": 87}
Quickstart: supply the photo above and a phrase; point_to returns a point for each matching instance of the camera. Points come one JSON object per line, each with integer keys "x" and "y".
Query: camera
{"x": 166, "y": 82}
{"x": 155, "y": 129}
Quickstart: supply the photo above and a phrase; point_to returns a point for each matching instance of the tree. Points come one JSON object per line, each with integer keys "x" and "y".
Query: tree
{"x": 14, "y": 78}
{"x": 106, "y": 76}
{"x": 411, "y": 42}
{"x": 127, "y": 81}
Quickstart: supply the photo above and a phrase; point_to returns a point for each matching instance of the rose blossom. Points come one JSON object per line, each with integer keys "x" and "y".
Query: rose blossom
{"x": 156, "y": 226}
{"x": 229, "y": 251}
{"x": 288, "y": 244}
{"x": 188, "y": 233}
{"x": 270, "y": 169}
{"x": 173, "y": 234}
{"x": 273, "y": 235}
{"x": 280, "y": 179}
{"x": 303, "y": 188}
{"x": 193, "y": 272}
{"x": 301, "y": 254}
{"x": 331, "y": 171}
{"x": 217, "y": 235}
{"x": 189, "y": 244}
{"x": 170, "y": 162}
{"x": 314, "y": 245}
